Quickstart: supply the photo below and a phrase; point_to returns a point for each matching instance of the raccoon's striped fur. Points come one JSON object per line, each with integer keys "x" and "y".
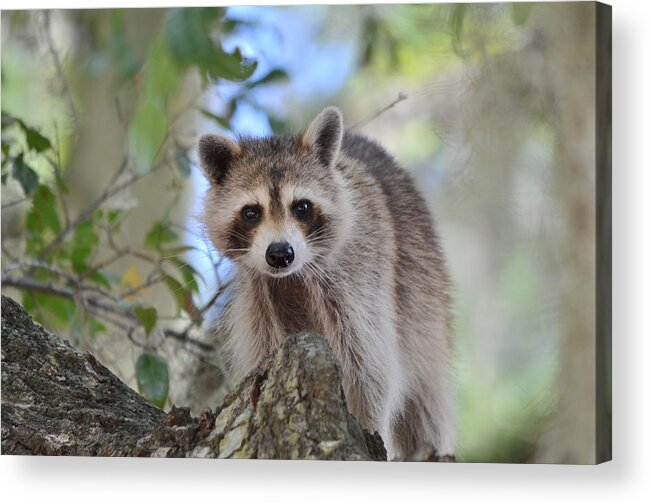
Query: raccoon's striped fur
{"x": 329, "y": 234}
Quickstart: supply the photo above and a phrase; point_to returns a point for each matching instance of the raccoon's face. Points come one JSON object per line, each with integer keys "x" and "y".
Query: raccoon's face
{"x": 274, "y": 228}
{"x": 277, "y": 206}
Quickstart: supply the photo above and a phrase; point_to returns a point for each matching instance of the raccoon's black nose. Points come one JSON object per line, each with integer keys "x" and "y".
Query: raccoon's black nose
{"x": 280, "y": 255}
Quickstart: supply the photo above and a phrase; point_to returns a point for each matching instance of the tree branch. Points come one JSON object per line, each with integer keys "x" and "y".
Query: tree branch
{"x": 56, "y": 401}
{"x": 27, "y": 284}
{"x": 16, "y": 202}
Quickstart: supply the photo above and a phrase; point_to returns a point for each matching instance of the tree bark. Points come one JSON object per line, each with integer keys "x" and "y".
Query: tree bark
{"x": 57, "y": 401}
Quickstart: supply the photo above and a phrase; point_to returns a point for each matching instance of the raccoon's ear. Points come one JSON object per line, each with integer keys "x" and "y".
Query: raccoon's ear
{"x": 216, "y": 155}
{"x": 324, "y": 135}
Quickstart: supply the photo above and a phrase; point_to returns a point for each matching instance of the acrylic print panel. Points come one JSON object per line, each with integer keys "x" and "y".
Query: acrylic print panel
{"x": 308, "y": 232}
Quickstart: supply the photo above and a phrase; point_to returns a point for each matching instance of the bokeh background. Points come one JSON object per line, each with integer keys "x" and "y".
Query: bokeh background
{"x": 490, "y": 107}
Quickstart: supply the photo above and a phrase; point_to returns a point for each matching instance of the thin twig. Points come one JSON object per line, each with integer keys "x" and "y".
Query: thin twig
{"x": 184, "y": 337}
{"x": 28, "y": 263}
{"x": 7, "y": 252}
{"x": 95, "y": 303}
{"x": 108, "y": 191}
{"x": 118, "y": 255}
{"x": 360, "y": 124}
{"x": 218, "y": 293}
{"x": 16, "y": 202}
{"x": 28, "y": 284}
{"x": 121, "y": 119}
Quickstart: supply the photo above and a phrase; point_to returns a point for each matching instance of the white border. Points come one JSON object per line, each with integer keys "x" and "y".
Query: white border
{"x": 627, "y": 479}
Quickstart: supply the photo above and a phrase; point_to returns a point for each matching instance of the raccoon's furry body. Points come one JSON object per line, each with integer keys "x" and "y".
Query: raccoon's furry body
{"x": 330, "y": 235}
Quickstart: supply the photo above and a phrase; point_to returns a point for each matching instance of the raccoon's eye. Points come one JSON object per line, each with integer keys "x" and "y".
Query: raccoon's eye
{"x": 301, "y": 208}
{"x": 251, "y": 213}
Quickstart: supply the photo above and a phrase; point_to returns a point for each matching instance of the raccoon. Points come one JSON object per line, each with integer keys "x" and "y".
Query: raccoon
{"x": 329, "y": 234}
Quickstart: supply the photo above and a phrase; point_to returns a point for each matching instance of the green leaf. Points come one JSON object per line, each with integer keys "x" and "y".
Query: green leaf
{"x": 35, "y": 140}
{"x": 61, "y": 184}
{"x": 162, "y": 75}
{"x": 188, "y": 34}
{"x": 78, "y": 259}
{"x": 147, "y": 317}
{"x": 44, "y": 211}
{"x": 159, "y": 234}
{"x": 153, "y": 379}
{"x": 147, "y": 133}
{"x": 25, "y": 175}
{"x": 232, "y": 66}
{"x": 85, "y": 236}
{"x": 457, "y": 18}
{"x": 188, "y": 273}
{"x": 28, "y": 298}
{"x": 100, "y": 279}
{"x": 113, "y": 216}
{"x": 35, "y": 231}
{"x": 275, "y": 75}
{"x": 84, "y": 242}
{"x": 177, "y": 290}
{"x": 116, "y": 218}
{"x": 61, "y": 310}
{"x": 182, "y": 295}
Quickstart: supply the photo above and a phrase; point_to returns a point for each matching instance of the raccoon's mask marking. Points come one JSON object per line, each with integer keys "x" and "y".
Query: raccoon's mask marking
{"x": 274, "y": 201}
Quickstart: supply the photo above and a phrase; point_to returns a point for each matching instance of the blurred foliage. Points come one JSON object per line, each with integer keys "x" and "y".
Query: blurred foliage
{"x": 482, "y": 131}
{"x": 153, "y": 377}
{"x": 64, "y": 269}
{"x": 480, "y": 127}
